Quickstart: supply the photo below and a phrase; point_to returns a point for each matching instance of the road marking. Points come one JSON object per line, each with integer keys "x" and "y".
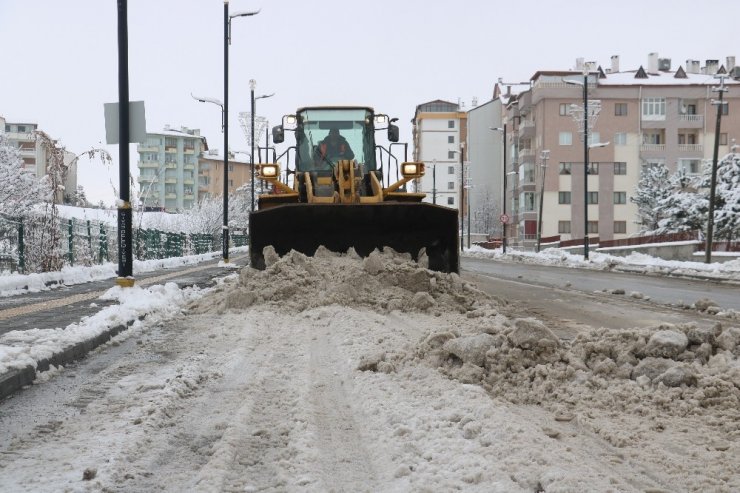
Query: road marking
{"x": 76, "y": 298}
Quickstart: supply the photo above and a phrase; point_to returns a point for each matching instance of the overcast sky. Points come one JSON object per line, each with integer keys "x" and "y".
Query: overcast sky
{"x": 59, "y": 58}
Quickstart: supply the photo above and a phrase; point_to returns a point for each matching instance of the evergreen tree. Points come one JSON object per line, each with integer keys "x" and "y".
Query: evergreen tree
{"x": 652, "y": 188}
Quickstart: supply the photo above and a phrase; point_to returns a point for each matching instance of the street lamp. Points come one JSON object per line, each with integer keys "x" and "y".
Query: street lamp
{"x": 713, "y": 183}
{"x": 504, "y": 217}
{"x": 544, "y": 155}
{"x": 252, "y": 86}
{"x": 461, "y": 152}
{"x": 227, "y": 42}
{"x": 434, "y": 181}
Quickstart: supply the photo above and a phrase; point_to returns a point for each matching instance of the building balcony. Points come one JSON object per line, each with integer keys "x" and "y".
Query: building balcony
{"x": 189, "y": 150}
{"x": 147, "y": 179}
{"x": 147, "y": 148}
{"x": 170, "y": 195}
{"x": 189, "y": 181}
{"x": 170, "y": 165}
{"x": 170, "y": 149}
{"x": 691, "y": 148}
{"x": 526, "y": 153}
{"x": 148, "y": 164}
{"x": 691, "y": 121}
{"x": 189, "y": 196}
{"x": 170, "y": 180}
{"x": 189, "y": 166}
{"x": 652, "y": 147}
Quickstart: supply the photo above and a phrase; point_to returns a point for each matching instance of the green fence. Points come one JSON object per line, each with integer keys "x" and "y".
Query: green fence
{"x": 37, "y": 245}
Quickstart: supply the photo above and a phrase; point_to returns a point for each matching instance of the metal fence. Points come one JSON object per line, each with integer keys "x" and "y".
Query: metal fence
{"x": 37, "y": 245}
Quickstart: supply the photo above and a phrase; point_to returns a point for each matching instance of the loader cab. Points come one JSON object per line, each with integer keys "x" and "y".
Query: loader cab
{"x": 354, "y": 125}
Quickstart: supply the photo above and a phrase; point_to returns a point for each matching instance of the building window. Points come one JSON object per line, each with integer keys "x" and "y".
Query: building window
{"x": 450, "y": 123}
{"x": 620, "y": 197}
{"x": 565, "y": 168}
{"x": 723, "y": 139}
{"x": 450, "y": 185}
{"x": 593, "y": 197}
{"x": 450, "y": 200}
{"x": 725, "y": 108}
{"x": 565, "y": 138}
{"x": 528, "y": 201}
{"x": 450, "y": 139}
{"x": 689, "y": 166}
{"x": 620, "y": 168}
{"x": 653, "y": 109}
{"x": 450, "y": 154}
{"x": 231, "y": 183}
{"x": 563, "y": 197}
{"x": 620, "y": 227}
{"x": 564, "y": 227}
{"x": 652, "y": 138}
{"x": 594, "y": 138}
{"x": 593, "y": 168}
{"x": 21, "y": 129}
{"x": 7, "y": 128}
{"x": 620, "y": 109}
{"x": 450, "y": 170}
{"x": 593, "y": 226}
{"x": 564, "y": 110}
{"x": 231, "y": 167}
{"x": 620, "y": 139}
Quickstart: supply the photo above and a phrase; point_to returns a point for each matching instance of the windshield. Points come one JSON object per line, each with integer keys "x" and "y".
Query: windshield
{"x": 325, "y": 136}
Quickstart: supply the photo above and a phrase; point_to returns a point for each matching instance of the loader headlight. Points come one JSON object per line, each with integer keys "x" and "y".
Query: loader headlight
{"x": 412, "y": 170}
{"x": 266, "y": 171}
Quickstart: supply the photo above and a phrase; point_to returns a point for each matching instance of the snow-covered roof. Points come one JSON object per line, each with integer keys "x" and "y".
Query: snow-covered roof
{"x": 667, "y": 78}
{"x": 172, "y": 132}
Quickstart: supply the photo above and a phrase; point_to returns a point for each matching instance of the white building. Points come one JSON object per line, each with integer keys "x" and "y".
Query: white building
{"x": 439, "y": 127}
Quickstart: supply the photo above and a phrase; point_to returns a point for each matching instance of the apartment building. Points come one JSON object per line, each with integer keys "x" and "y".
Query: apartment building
{"x": 211, "y": 173}
{"x": 438, "y": 129}
{"x": 22, "y": 135}
{"x": 168, "y": 167}
{"x": 652, "y": 114}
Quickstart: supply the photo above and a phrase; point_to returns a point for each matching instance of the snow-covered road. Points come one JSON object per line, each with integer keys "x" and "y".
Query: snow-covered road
{"x": 340, "y": 374}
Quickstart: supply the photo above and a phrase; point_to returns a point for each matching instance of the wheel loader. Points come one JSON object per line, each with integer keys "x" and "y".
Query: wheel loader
{"x": 340, "y": 193}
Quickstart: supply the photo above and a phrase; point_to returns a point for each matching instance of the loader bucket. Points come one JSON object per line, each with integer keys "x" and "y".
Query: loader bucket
{"x": 405, "y": 227}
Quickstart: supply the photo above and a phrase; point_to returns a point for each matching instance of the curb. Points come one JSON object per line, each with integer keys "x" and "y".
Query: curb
{"x": 17, "y": 379}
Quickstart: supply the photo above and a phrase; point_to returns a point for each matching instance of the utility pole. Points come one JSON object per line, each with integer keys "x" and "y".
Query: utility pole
{"x": 544, "y": 155}
{"x": 713, "y": 185}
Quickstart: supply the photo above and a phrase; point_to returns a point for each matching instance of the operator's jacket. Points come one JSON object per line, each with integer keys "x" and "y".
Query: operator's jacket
{"x": 337, "y": 149}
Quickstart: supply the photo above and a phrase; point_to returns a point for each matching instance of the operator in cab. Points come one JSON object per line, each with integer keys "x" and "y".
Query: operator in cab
{"x": 335, "y": 147}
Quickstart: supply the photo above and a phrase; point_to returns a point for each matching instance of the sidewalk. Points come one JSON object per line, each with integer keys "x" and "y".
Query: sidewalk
{"x": 58, "y": 308}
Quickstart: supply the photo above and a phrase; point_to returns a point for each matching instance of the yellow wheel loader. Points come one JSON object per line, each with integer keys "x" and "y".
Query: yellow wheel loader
{"x": 335, "y": 194}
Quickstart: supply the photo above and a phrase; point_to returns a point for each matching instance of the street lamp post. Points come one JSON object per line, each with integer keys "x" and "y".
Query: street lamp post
{"x": 227, "y": 42}
{"x": 713, "y": 184}
{"x": 503, "y": 195}
{"x": 252, "y": 86}
{"x": 544, "y": 155}
{"x": 434, "y": 181}
{"x": 462, "y": 195}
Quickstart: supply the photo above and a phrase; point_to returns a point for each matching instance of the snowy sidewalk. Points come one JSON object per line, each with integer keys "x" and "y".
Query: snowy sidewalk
{"x": 43, "y": 330}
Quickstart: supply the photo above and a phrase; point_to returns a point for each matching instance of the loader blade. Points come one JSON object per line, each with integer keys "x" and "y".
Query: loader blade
{"x": 404, "y": 227}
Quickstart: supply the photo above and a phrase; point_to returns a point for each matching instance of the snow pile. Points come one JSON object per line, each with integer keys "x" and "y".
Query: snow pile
{"x": 667, "y": 370}
{"x": 21, "y": 348}
{"x": 602, "y": 261}
{"x": 384, "y": 282}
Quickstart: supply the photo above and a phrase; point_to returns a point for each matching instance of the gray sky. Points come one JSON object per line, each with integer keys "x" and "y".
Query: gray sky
{"x": 59, "y": 58}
